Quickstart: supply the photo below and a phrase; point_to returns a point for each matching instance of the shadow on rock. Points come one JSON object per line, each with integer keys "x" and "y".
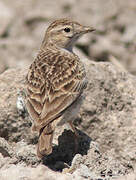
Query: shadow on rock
{"x": 63, "y": 154}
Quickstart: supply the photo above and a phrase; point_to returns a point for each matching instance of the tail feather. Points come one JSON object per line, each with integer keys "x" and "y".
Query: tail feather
{"x": 45, "y": 141}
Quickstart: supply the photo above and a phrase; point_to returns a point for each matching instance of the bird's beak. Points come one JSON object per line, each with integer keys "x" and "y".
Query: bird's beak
{"x": 87, "y": 29}
{"x": 80, "y": 30}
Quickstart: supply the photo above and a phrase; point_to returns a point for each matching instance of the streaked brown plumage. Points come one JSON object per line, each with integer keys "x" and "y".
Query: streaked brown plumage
{"x": 55, "y": 81}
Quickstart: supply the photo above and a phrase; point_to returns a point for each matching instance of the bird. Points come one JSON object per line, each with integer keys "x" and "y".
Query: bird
{"x": 55, "y": 82}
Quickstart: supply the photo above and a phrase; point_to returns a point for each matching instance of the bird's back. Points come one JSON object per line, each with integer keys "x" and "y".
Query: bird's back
{"x": 54, "y": 80}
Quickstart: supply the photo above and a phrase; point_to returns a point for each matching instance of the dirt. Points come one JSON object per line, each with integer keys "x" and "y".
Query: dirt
{"x": 106, "y": 123}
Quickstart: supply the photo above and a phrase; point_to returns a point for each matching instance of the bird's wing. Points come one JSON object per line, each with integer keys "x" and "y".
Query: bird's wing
{"x": 54, "y": 82}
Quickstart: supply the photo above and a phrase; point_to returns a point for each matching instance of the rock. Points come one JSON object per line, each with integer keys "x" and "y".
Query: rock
{"x": 5, "y": 149}
{"x": 19, "y": 172}
{"x": 82, "y": 171}
{"x": 6, "y": 16}
{"x": 20, "y": 103}
{"x": 2, "y": 66}
{"x": 131, "y": 176}
{"x": 107, "y": 126}
{"x": 26, "y": 153}
{"x": 110, "y": 105}
{"x": 11, "y": 122}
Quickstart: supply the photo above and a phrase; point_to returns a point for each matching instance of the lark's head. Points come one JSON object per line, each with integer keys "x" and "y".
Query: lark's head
{"x": 64, "y": 33}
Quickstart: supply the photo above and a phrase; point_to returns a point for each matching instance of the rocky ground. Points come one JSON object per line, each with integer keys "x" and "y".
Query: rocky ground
{"x": 107, "y": 121}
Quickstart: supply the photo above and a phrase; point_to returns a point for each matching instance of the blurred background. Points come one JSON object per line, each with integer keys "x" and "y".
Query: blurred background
{"x": 23, "y": 24}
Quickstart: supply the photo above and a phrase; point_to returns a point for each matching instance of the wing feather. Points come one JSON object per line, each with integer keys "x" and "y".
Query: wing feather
{"x": 54, "y": 88}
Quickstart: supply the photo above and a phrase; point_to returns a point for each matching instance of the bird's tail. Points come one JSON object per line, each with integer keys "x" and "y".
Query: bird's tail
{"x": 45, "y": 141}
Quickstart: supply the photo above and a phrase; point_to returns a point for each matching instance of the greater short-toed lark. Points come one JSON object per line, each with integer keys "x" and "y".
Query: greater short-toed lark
{"x": 55, "y": 81}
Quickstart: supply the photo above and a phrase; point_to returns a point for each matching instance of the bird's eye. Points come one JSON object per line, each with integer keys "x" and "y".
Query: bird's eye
{"x": 67, "y": 29}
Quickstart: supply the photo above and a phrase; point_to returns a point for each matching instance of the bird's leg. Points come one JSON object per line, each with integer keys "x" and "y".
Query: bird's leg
{"x": 74, "y": 129}
{"x": 76, "y": 135}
